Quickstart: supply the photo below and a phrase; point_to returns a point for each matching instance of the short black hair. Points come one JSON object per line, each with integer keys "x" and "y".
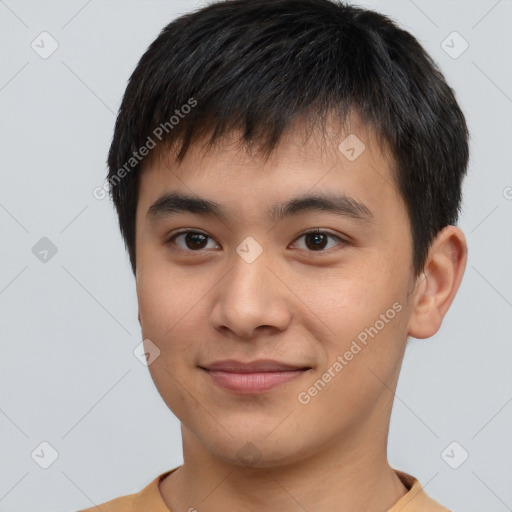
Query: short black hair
{"x": 259, "y": 65}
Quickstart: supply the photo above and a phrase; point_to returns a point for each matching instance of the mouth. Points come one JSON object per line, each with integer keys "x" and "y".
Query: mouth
{"x": 252, "y": 377}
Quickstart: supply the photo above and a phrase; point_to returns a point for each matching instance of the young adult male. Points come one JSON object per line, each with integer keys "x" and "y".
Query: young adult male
{"x": 287, "y": 176}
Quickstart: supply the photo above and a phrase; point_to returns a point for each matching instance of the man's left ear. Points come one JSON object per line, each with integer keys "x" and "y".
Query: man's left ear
{"x": 437, "y": 286}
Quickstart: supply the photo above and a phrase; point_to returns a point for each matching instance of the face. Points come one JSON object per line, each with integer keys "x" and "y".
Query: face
{"x": 321, "y": 289}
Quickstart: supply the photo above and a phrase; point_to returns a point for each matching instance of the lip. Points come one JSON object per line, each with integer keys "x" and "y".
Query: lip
{"x": 252, "y": 377}
{"x": 260, "y": 365}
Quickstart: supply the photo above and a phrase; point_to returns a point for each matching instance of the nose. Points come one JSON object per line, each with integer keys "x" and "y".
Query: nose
{"x": 251, "y": 298}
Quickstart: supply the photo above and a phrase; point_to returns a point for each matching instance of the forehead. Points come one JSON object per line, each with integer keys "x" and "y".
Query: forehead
{"x": 350, "y": 161}
{"x": 301, "y": 139}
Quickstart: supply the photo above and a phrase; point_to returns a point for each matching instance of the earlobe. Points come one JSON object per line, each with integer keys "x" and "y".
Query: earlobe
{"x": 437, "y": 286}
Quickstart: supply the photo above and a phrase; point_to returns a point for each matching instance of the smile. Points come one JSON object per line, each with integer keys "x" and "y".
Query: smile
{"x": 252, "y": 382}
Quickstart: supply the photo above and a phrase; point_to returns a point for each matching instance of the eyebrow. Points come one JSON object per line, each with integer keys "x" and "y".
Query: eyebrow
{"x": 174, "y": 203}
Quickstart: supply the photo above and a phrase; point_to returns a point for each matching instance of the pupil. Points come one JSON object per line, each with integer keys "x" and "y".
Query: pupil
{"x": 193, "y": 237}
{"x": 317, "y": 237}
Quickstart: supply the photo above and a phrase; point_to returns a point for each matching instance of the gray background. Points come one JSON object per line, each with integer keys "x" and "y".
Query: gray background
{"x": 69, "y": 324}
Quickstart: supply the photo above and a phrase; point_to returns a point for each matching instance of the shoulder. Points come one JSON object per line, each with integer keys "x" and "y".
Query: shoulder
{"x": 416, "y": 500}
{"x": 149, "y": 498}
{"x": 124, "y": 504}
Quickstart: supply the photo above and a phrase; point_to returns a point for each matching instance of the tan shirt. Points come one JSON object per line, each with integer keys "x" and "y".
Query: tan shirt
{"x": 150, "y": 499}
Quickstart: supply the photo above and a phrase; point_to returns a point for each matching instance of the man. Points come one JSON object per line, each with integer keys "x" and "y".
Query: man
{"x": 287, "y": 176}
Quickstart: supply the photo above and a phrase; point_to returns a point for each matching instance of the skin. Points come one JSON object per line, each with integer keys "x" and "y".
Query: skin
{"x": 295, "y": 304}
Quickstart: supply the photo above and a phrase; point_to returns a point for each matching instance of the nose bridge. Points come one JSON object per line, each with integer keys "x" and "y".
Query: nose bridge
{"x": 249, "y": 276}
{"x": 250, "y": 296}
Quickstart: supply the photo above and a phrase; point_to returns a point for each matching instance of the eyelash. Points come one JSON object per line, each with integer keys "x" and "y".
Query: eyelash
{"x": 315, "y": 231}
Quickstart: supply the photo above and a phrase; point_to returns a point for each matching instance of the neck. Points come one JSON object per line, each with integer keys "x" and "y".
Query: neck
{"x": 349, "y": 474}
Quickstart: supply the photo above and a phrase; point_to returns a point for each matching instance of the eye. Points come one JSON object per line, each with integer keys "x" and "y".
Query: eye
{"x": 196, "y": 241}
{"x": 193, "y": 240}
{"x": 316, "y": 240}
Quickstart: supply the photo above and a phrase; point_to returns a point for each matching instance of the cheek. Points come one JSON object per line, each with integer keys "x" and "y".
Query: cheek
{"x": 361, "y": 362}
{"x": 363, "y": 319}
{"x": 163, "y": 296}
{"x": 171, "y": 313}
{"x": 167, "y": 319}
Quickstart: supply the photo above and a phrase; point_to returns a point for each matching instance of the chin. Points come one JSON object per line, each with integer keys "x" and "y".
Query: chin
{"x": 253, "y": 449}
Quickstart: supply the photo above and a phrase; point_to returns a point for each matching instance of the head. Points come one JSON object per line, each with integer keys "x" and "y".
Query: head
{"x": 276, "y": 118}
